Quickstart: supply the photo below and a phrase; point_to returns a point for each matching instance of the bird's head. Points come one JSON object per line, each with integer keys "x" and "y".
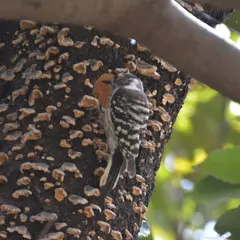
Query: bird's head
{"x": 127, "y": 80}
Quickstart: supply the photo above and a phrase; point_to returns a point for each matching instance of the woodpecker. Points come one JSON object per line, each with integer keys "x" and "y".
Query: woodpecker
{"x": 125, "y": 119}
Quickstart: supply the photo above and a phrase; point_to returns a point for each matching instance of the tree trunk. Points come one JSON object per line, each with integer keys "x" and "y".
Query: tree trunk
{"x": 52, "y": 148}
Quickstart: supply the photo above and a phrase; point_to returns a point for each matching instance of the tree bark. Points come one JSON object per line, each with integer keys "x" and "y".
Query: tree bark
{"x": 195, "y": 49}
{"x": 222, "y": 3}
{"x": 40, "y": 161}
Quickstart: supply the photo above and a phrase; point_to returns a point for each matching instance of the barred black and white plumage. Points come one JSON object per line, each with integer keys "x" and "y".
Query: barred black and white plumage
{"x": 124, "y": 120}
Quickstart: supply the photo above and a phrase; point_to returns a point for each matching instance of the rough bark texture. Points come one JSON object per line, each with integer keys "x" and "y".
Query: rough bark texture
{"x": 219, "y": 14}
{"x": 221, "y": 3}
{"x": 208, "y": 14}
{"x": 128, "y": 207}
{"x": 52, "y": 133}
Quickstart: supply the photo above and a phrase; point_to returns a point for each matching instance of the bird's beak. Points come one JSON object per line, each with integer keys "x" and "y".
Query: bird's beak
{"x": 107, "y": 82}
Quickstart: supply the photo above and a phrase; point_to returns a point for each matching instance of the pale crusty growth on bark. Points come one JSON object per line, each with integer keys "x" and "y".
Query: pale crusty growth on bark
{"x": 194, "y": 48}
{"x": 53, "y": 151}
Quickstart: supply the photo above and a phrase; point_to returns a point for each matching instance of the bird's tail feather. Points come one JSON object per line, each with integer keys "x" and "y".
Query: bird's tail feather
{"x": 131, "y": 168}
{"x": 114, "y": 170}
{"x": 121, "y": 171}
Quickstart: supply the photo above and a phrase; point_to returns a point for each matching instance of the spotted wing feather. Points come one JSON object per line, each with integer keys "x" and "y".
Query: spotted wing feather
{"x": 129, "y": 115}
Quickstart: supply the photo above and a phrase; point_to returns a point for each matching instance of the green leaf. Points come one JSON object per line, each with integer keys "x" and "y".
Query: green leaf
{"x": 211, "y": 188}
{"x": 229, "y": 222}
{"x": 234, "y": 36}
{"x": 223, "y": 164}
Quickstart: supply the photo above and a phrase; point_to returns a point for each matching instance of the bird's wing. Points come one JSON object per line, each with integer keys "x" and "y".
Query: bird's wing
{"x": 129, "y": 115}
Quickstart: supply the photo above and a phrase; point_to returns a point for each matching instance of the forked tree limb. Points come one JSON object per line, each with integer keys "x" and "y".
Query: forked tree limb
{"x": 162, "y": 25}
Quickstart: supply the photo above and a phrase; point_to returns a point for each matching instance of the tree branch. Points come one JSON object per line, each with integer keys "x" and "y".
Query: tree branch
{"x": 193, "y": 48}
{"x": 210, "y": 15}
{"x": 222, "y": 3}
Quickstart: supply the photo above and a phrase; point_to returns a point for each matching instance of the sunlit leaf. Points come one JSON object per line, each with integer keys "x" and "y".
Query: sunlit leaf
{"x": 229, "y": 222}
{"x": 223, "y": 164}
{"x": 233, "y": 203}
{"x": 199, "y": 156}
{"x": 161, "y": 233}
{"x": 211, "y": 188}
{"x": 234, "y": 108}
{"x": 183, "y": 166}
{"x": 234, "y": 36}
{"x": 232, "y": 115}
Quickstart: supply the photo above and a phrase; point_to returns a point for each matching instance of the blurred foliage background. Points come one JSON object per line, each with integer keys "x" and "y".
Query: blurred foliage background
{"x": 188, "y": 200}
